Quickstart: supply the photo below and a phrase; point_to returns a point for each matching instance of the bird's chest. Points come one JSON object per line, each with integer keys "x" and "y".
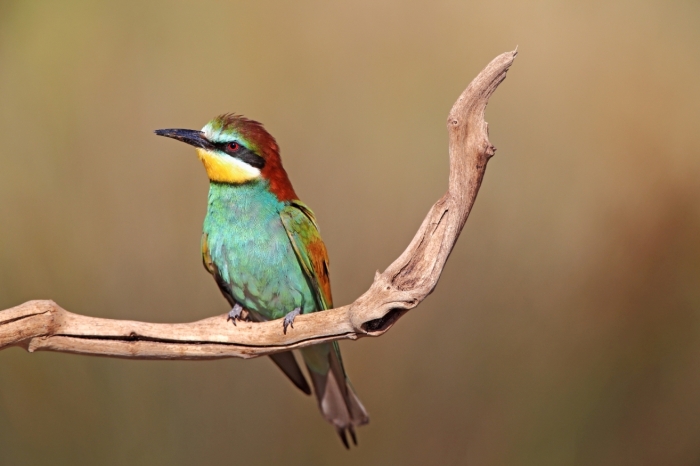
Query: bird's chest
{"x": 252, "y": 253}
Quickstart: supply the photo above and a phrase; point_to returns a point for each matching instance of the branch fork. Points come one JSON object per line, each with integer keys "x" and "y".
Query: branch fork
{"x": 45, "y": 326}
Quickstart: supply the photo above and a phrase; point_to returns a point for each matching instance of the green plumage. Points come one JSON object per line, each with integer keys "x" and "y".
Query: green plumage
{"x": 250, "y": 248}
{"x": 263, "y": 247}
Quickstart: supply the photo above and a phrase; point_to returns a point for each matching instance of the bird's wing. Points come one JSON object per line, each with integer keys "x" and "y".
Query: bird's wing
{"x": 336, "y": 398}
{"x": 300, "y": 223}
{"x": 206, "y": 257}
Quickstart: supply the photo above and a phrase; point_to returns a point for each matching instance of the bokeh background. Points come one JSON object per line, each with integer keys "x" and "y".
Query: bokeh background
{"x": 566, "y": 327}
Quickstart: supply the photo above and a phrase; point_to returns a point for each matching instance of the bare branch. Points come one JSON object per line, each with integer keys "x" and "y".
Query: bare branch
{"x": 44, "y": 326}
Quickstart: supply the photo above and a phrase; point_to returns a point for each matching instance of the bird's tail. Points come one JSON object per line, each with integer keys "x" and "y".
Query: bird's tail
{"x": 288, "y": 363}
{"x": 337, "y": 400}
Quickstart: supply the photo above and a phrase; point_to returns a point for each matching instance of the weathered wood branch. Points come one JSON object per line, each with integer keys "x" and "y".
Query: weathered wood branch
{"x": 45, "y": 326}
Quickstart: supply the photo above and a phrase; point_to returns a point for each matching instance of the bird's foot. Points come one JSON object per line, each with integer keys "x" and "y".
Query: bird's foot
{"x": 235, "y": 313}
{"x": 289, "y": 319}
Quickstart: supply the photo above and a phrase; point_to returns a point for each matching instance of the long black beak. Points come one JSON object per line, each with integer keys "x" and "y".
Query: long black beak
{"x": 190, "y": 136}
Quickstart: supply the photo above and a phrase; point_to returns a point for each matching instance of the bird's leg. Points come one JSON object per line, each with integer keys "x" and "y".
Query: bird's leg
{"x": 289, "y": 319}
{"x": 235, "y": 313}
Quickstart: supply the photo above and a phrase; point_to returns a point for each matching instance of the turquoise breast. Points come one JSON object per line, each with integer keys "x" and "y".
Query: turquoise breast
{"x": 250, "y": 248}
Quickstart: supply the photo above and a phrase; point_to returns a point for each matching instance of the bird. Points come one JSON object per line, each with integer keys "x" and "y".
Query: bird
{"x": 263, "y": 247}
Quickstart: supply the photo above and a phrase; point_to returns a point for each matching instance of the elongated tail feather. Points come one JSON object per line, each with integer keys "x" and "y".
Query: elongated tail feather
{"x": 337, "y": 400}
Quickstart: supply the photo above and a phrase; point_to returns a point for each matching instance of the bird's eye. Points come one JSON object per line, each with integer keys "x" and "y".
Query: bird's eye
{"x": 233, "y": 146}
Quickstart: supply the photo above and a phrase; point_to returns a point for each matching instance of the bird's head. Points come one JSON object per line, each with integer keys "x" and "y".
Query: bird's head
{"x": 236, "y": 150}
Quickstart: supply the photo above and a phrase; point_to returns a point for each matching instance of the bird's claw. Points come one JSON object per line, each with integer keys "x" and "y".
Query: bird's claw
{"x": 235, "y": 313}
{"x": 289, "y": 319}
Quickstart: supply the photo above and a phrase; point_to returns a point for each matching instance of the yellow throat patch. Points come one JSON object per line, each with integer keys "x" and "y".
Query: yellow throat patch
{"x": 226, "y": 169}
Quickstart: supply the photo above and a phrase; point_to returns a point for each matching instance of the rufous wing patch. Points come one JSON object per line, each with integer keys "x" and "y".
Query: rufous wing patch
{"x": 319, "y": 261}
{"x": 306, "y": 241}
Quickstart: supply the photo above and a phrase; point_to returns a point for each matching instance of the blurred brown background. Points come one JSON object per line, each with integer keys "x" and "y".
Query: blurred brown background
{"x": 566, "y": 327}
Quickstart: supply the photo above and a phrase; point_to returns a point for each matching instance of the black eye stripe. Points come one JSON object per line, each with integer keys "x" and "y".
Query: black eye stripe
{"x": 242, "y": 153}
{"x": 252, "y": 159}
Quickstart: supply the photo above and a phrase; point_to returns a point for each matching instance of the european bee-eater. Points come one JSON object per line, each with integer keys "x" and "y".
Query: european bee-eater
{"x": 263, "y": 247}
